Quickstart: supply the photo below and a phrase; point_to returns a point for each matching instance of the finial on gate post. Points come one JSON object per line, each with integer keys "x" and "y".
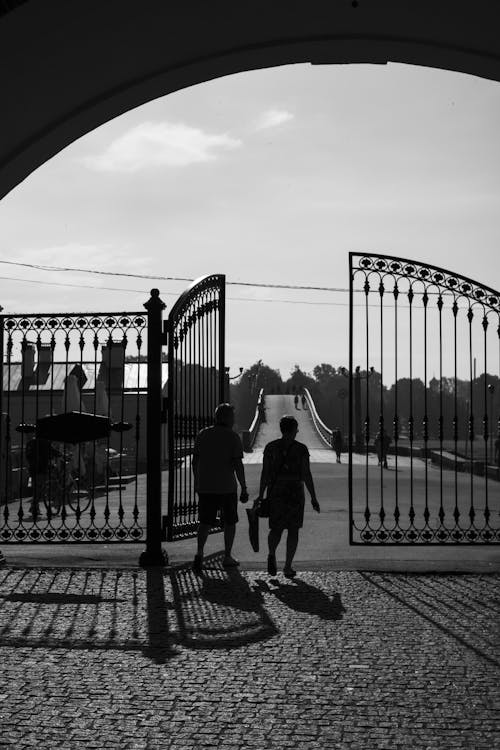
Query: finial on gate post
{"x": 155, "y": 301}
{"x": 154, "y": 554}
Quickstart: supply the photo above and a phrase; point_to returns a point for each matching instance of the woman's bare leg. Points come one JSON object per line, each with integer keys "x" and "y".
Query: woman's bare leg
{"x": 292, "y": 541}
{"x": 273, "y": 539}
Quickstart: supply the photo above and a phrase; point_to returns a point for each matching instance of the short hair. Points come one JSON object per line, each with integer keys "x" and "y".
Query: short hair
{"x": 288, "y": 424}
{"x": 223, "y": 413}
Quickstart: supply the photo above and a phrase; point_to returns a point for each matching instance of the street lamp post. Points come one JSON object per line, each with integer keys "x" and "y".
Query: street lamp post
{"x": 228, "y": 380}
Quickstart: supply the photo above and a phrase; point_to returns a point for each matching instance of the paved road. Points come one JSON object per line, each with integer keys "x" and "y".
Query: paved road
{"x": 130, "y": 659}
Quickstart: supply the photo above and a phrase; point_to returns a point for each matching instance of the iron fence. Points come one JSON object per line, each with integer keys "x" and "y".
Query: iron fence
{"x": 424, "y": 368}
{"x": 76, "y": 485}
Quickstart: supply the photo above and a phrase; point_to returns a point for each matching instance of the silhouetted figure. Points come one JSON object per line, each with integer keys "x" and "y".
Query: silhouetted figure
{"x": 497, "y": 453}
{"x": 296, "y": 401}
{"x": 285, "y": 470}
{"x": 337, "y": 443}
{"x": 382, "y": 442}
{"x": 217, "y": 458}
{"x": 304, "y": 401}
{"x": 39, "y": 453}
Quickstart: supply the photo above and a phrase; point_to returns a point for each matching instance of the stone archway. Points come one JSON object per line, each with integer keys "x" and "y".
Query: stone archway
{"x": 69, "y": 68}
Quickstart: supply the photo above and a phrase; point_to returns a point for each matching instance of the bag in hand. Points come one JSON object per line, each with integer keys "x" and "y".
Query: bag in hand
{"x": 262, "y": 506}
{"x": 253, "y": 528}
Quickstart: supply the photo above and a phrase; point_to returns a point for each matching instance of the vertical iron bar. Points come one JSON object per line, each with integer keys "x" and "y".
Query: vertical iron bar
{"x": 410, "y": 418}
{"x": 351, "y": 327}
{"x": 396, "y": 411}
{"x": 222, "y": 336}
{"x": 470, "y": 316}
{"x": 485, "y": 419}
{"x": 172, "y": 410}
{"x": 456, "y": 512}
{"x": 4, "y": 469}
{"x": 381, "y": 412}
{"x": 182, "y": 504}
{"x": 206, "y": 379}
{"x": 441, "y": 418}
{"x": 154, "y": 555}
{"x": 34, "y": 478}
{"x": 23, "y": 407}
{"x": 425, "y": 300}
{"x": 211, "y": 365}
{"x": 357, "y": 406}
{"x": 190, "y": 413}
{"x": 121, "y": 511}
{"x": 138, "y": 427}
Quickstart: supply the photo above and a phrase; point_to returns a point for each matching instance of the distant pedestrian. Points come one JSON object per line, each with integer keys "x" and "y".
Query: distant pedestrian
{"x": 497, "y": 453}
{"x": 296, "y": 401}
{"x": 304, "y": 401}
{"x": 337, "y": 443}
{"x": 285, "y": 470}
{"x": 382, "y": 442}
{"x": 217, "y": 458}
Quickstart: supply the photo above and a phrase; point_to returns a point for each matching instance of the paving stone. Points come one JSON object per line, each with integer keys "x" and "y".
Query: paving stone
{"x": 152, "y": 659}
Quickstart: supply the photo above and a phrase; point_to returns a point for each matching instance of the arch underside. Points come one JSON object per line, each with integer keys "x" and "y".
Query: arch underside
{"x": 74, "y": 66}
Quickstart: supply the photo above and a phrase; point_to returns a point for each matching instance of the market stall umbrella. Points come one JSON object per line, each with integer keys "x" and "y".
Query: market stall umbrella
{"x": 73, "y": 427}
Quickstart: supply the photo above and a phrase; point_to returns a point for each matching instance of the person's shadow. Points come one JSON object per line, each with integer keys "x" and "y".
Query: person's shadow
{"x": 303, "y": 597}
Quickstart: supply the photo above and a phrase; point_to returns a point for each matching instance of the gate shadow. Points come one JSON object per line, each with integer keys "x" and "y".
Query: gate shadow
{"x": 452, "y": 603}
{"x": 218, "y": 610}
{"x": 156, "y": 611}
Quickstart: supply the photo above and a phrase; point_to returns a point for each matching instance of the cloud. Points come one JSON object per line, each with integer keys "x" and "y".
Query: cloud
{"x": 103, "y": 255}
{"x": 156, "y": 144}
{"x": 273, "y": 117}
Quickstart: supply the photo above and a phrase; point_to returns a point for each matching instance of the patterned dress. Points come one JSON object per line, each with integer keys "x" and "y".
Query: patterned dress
{"x": 284, "y": 464}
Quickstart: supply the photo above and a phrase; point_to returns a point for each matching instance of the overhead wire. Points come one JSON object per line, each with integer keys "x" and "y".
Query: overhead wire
{"x": 154, "y": 277}
{"x": 256, "y": 284}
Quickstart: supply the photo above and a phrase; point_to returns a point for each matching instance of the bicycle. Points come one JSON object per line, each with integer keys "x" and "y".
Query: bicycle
{"x": 54, "y": 486}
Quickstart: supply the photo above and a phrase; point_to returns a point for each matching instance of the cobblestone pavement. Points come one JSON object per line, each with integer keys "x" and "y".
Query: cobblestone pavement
{"x": 94, "y": 658}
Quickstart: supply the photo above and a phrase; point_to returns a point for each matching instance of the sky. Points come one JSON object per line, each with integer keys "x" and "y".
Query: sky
{"x": 270, "y": 176}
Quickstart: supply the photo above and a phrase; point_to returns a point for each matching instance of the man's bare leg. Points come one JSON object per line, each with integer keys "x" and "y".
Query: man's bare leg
{"x": 203, "y": 532}
{"x": 229, "y": 532}
{"x": 292, "y": 541}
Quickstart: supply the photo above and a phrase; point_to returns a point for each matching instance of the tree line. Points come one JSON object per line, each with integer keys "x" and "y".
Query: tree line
{"x": 443, "y": 402}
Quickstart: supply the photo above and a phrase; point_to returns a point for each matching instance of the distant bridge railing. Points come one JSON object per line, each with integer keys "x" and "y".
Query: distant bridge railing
{"x": 323, "y": 431}
{"x": 248, "y": 436}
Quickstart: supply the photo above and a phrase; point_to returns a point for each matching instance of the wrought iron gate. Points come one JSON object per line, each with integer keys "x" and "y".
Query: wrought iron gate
{"x": 196, "y": 384}
{"x": 424, "y": 369}
{"x": 65, "y": 381}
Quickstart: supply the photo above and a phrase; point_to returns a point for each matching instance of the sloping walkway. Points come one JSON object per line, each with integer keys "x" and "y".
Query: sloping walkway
{"x": 276, "y": 407}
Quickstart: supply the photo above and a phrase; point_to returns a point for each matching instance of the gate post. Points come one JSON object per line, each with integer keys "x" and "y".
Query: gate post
{"x": 3, "y": 450}
{"x": 154, "y": 554}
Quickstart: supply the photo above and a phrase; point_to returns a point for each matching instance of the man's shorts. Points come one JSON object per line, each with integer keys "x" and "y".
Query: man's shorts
{"x": 209, "y": 503}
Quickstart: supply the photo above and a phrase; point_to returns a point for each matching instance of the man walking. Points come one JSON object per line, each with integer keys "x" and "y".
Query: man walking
{"x": 217, "y": 458}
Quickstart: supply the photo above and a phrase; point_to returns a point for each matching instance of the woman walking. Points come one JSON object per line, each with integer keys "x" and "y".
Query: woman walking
{"x": 285, "y": 470}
